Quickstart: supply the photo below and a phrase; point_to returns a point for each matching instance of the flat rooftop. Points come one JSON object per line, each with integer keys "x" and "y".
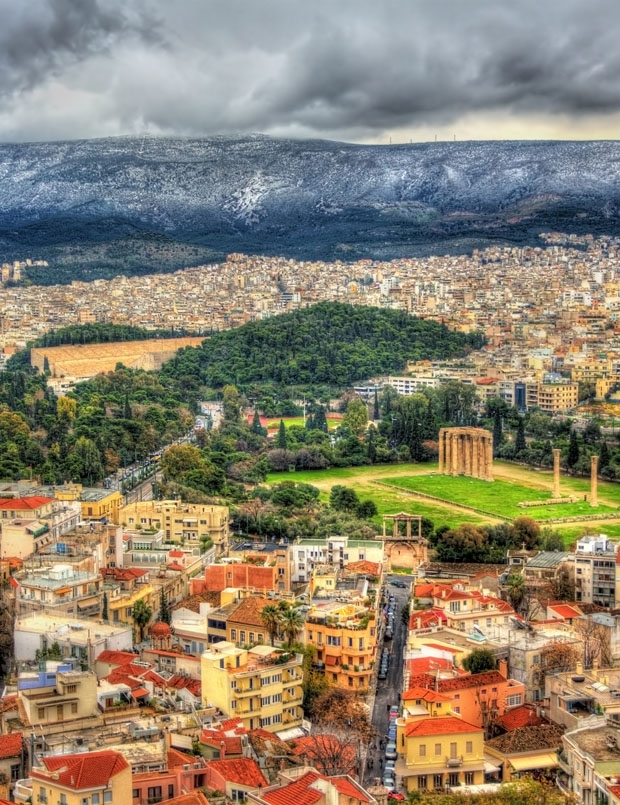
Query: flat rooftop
{"x": 60, "y": 629}
{"x": 596, "y": 742}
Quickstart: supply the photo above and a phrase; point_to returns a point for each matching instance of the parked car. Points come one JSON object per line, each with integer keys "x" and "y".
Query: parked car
{"x": 388, "y": 781}
{"x": 390, "y": 750}
{"x": 396, "y": 796}
{"x": 394, "y": 710}
{"x": 388, "y": 633}
{"x": 389, "y": 767}
{"x": 383, "y": 673}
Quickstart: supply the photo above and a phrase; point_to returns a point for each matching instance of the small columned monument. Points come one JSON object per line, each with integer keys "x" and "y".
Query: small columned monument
{"x": 466, "y": 451}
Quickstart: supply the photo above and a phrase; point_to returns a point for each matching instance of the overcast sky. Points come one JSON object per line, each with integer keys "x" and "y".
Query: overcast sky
{"x": 359, "y": 70}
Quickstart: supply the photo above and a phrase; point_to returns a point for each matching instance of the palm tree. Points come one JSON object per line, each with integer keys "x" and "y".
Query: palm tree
{"x": 291, "y": 623}
{"x": 270, "y": 616}
{"x": 142, "y": 614}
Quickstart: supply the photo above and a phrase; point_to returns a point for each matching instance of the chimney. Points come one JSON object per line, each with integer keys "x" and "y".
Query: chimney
{"x": 579, "y": 668}
{"x": 222, "y": 750}
{"x": 502, "y": 667}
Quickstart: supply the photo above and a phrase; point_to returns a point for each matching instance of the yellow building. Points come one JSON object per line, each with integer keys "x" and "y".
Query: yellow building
{"x": 181, "y": 522}
{"x": 59, "y": 701}
{"x": 262, "y": 685}
{"x": 440, "y": 751}
{"x": 90, "y": 778}
{"x": 345, "y": 639}
{"x": 101, "y": 504}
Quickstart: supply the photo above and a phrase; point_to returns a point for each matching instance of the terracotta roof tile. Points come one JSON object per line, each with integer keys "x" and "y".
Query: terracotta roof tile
{"x": 10, "y": 745}
{"x": 445, "y": 725}
{"x": 88, "y": 770}
{"x": 242, "y": 770}
{"x": 30, "y": 502}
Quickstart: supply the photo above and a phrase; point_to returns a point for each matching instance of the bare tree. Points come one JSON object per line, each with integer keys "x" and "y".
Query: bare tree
{"x": 596, "y": 645}
{"x": 332, "y": 753}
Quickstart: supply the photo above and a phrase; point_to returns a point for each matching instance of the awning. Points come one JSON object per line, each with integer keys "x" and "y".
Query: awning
{"x": 63, "y": 590}
{"x": 530, "y": 762}
{"x": 490, "y": 768}
{"x": 138, "y": 693}
{"x": 329, "y": 660}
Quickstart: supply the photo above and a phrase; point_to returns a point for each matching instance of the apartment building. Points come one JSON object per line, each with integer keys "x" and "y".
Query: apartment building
{"x": 438, "y": 753}
{"x": 335, "y": 551}
{"x": 59, "y": 589}
{"x": 102, "y": 505}
{"x": 576, "y": 695}
{"x": 90, "y": 778}
{"x": 589, "y": 761}
{"x": 190, "y": 523}
{"x": 345, "y": 639}
{"x": 262, "y": 686}
{"x": 595, "y": 571}
{"x": 552, "y": 398}
{"x": 78, "y": 639}
{"x": 470, "y": 611}
{"x": 59, "y": 699}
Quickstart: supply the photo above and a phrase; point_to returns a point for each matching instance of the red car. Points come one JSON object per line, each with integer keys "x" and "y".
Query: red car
{"x": 396, "y": 796}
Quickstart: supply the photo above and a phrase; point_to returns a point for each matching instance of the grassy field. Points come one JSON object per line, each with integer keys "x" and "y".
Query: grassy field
{"x": 513, "y": 483}
{"x": 289, "y": 422}
{"x": 500, "y": 497}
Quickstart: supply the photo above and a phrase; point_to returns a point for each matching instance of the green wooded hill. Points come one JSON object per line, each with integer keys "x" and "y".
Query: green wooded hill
{"x": 331, "y": 343}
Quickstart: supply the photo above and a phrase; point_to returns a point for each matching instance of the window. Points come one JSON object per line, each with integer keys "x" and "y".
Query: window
{"x": 71, "y": 688}
{"x": 457, "y": 710}
{"x": 422, "y": 750}
{"x": 136, "y": 793}
{"x": 469, "y": 747}
{"x": 251, "y": 637}
{"x": 41, "y": 713}
{"x": 154, "y": 794}
{"x": 43, "y": 794}
{"x": 96, "y": 799}
{"x": 469, "y": 778}
{"x": 453, "y": 778}
{"x": 15, "y": 772}
{"x": 73, "y": 708}
{"x": 242, "y": 636}
{"x": 84, "y": 800}
{"x": 237, "y": 796}
{"x": 437, "y": 780}
{"x": 422, "y": 782}
{"x": 514, "y": 700}
{"x": 170, "y": 791}
{"x": 63, "y": 799}
{"x": 233, "y": 634}
{"x": 437, "y": 749}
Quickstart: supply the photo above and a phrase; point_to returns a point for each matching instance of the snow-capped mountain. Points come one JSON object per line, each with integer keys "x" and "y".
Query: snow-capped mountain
{"x": 307, "y": 198}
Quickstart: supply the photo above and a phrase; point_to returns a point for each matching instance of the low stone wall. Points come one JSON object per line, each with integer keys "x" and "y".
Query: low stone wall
{"x": 584, "y": 517}
{"x": 530, "y": 504}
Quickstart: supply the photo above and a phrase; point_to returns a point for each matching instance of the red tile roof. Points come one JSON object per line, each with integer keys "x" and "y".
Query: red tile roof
{"x": 116, "y": 657}
{"x": 10, "y": 745}
{"x": 472, "y": 681}
{"x": 242, "y": 770}
{"x": 30, "y": 502}
{"x": 349, "y": 788}
{"x": 422, "y": 665}
{"x": 520, "y": 717}
{"x": 179, "y": 682}
{"x": 423, "y": 618}
{"x": 176, "y": 758}
{"x": 418, "y": 692}
{"x": 565, "y": 611}
{"x": 79, "y": 772}
{"x": 450, "y": 649}
{"x": 444, "y": 725}
{"x": 298, "y": 792}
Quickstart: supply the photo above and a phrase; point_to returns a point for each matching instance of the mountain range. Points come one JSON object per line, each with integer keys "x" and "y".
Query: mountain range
{"x": 131, "y": 205}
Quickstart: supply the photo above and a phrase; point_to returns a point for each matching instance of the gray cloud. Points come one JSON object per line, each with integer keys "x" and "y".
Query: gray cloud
{"x": 350, "y": 69}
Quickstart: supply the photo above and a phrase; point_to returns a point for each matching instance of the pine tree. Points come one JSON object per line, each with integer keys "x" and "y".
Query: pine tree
{"x": 376, "y": 413}
{"x": 497, "y": 431}
{"x": 572, "y": 456}
{"x": 603, "y": 459}
{"x": 281, "y": 436}
{"x": 310, "y": 425}
{"x": 371, "y": 449}
{"x": 164, "y": 609}
{"x": 104, "y": 607}
{"x": 520, "y": 443}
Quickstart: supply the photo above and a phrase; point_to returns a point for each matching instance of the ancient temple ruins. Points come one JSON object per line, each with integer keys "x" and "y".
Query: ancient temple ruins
{"x": 466, "y": 451}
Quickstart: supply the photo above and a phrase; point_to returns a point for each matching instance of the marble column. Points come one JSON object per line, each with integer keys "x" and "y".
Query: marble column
{"x": 442, "y": 447}
{"x": 489, "y": 461}
{"x": 475, "y": 469}
{"x": 467, "y": 443}
{"x": 455, "y": 454}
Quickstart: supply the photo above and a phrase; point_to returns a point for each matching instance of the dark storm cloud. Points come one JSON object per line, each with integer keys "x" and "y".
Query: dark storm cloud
{"x": 38, "y": 38}
{"x": 346, "y": 68}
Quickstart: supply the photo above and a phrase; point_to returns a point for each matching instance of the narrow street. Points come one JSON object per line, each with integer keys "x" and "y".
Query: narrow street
{"x": 388, "y": 690}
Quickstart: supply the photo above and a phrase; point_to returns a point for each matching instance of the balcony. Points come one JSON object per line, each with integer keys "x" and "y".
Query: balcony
{"x": 563, "y": 782}
{"x": 454, "y": 762}
{"x": 563, "y": 762}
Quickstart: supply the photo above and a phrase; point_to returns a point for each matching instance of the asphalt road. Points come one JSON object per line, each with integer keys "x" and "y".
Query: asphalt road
{"x": 388, "y": 690}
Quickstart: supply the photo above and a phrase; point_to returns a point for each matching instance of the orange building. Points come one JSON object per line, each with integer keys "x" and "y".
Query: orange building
{"x": 246, "y": 576}
{"x": 480, "y": 699}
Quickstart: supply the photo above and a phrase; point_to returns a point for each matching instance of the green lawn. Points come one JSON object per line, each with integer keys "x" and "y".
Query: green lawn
{"x": 289, "y": 422}
{"x": 498, "y": 497}
{"x": 337, "y": 474}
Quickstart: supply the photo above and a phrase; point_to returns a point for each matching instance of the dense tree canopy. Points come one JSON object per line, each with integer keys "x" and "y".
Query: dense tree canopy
{"x": 329, "y": 343}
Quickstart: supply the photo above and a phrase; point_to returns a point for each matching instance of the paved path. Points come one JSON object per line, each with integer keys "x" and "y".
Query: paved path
{"x": 388, "y": 690}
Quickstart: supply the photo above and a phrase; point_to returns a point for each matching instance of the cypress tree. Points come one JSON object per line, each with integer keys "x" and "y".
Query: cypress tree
{"x": 573, "y": 451}
{"x": 164, "y": 609}
{"x": 603, "y": 459}
{"x": 497, "y": 431}
{"x": 104, "y": 607}
{"x": 46, "y": 364}
{"x": 376, "y": 414}
{"x": 320, "y": 420}
{"x": 371, "y": 449}
{"x": 281, "y": 436}
{"x": 520, "y": 443}
{"x": 256, "y": 425}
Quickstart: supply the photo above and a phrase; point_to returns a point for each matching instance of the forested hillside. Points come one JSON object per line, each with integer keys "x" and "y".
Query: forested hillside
{"x": 329, "y": 343}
